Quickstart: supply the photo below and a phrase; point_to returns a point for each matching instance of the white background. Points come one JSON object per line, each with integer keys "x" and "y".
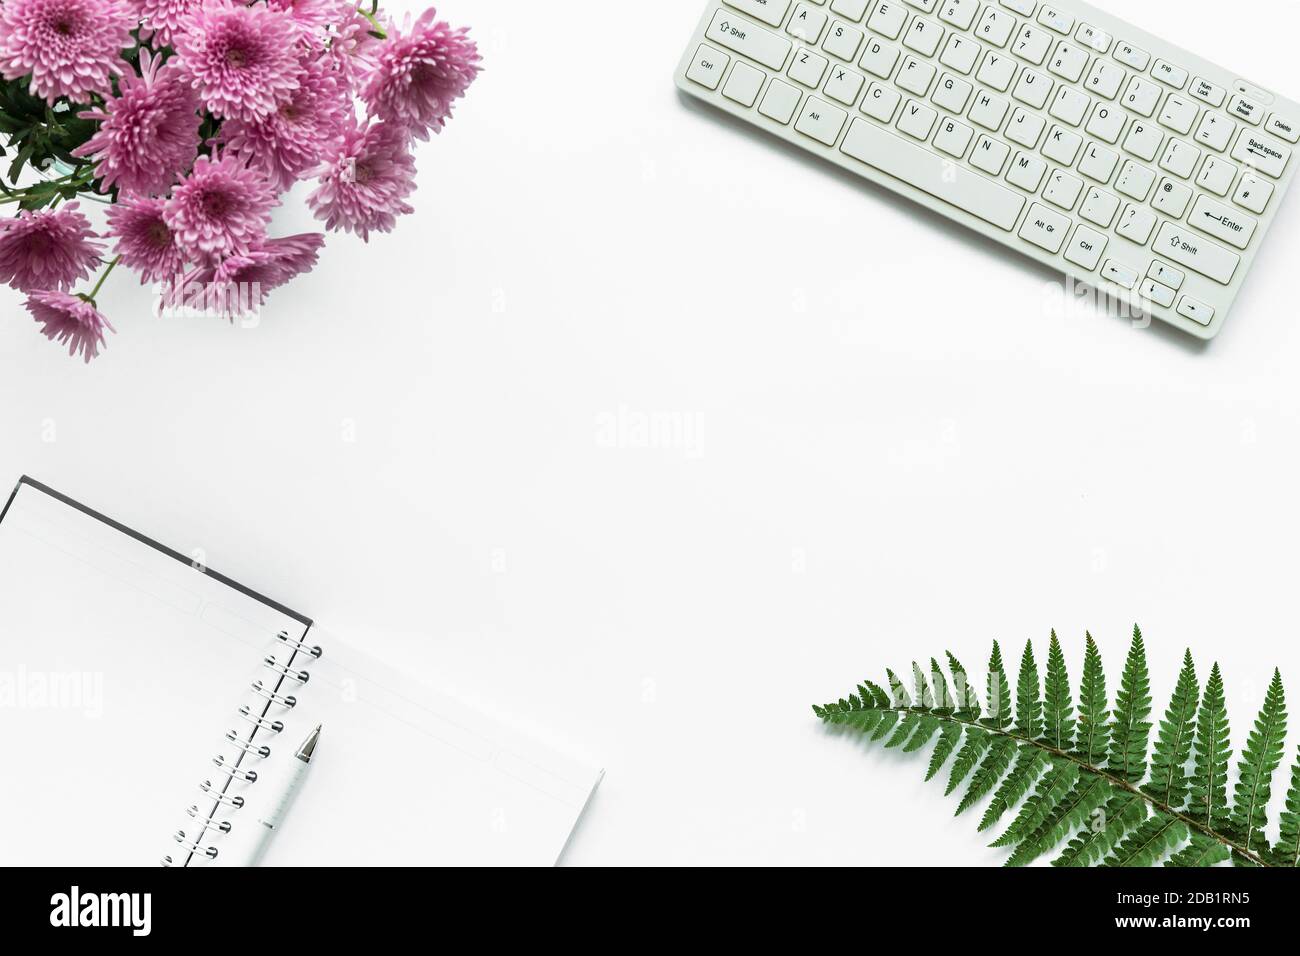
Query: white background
{"x": 891, "y": 439}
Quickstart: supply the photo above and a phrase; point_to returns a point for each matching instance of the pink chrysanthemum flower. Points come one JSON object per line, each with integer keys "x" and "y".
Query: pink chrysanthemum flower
{"x": 422, "y": 70}
{"x": 242, "y": 60}
{"x": 70, "y": 47}
{"x": 149, "y": 134}
{"x": 144, "y": 240}
{"x": 48, "y": 249}
{"x": 353, "y": 48}
{"x": 365, "y": 180}
{"x": 312, "y": 15}
{"x": 221, "y": 209}
{"x": 289, "y": 142}
{"x": 69, "y": 319}
{"x": 239, "y": 285}
{"x": 164, "y": 19}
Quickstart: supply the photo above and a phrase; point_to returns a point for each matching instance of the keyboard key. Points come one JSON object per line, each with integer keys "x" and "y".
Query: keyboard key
{"x": 1171, "y": 198}
{"x": 1099, "y": 207}
{"x": 1023, "y": 7}
{"x": 960, "y": 54}
{"x": 771, "y": 12}
{"x": 1062, "y": 190}
{"x": 879, "y": 58}
{"x": 1217, "y": 176}
{"x": 1207, "y": 92}
{"x": 959, "y": 13}
{"x": 1057, "y": 20}
{"x": 1252, "y": 193}
{"x": 953, "y": 138}
{"x": 988, "y": 111}
{"x": 1198, "y": 254}
{"x": 1195, "y": 309}
{"x": 917, "y": 120}
{"x": 1107, "y": 122}
{"x": 881, "y": 103}
{"x": 1247, "y": 111}
{"x": 1153, "y": 291}
{"x": 1032, "y": 44}
{"x": 915, "y": 76}
{"x": 853, "y": 9}
{"x": 952, "y": 94}
{"x": 708, "y": 66}
{"x": 1180, "y": 158}
{"x": 808, "y": 68}
{"x": 1045, "y": 228}
{"x": 922, "y": 169}
{"x": 844, "y": 85}
{"x": 1215, "y": 131}
{"x": 743, "y": 84}
{"x": 1135, "y": 181}
{"x": 1086, "y": 247}
{"x": 1143, "y": 141}
{"x": 1120, "y": 274}
{"x": 1222, "y": 222}
{"x": 1170, "y": 75}
{"x": 780, "y": 101}
{"x": 821, "y": 121}
{"x": 1032, "y": 88}
{"x": 1093, "y": 37}
{"x": 925, "y": 6}
{"x": 842, "y": 41}
{"x": 1283, "y": 128}
{"x": 1267, "y": 157}
{"x": 888, "y": 19}
{"x": 923, "y": 36}
{"x": 1166, "y": 274}
{"x": 1062, "y": 146}
{"x": 1025, "y": 128}
{"x": 1179, "y": 114}
{"x": 1136, "y": 223}
{"x": 741, "y": 36}
{"x": 807, "y": 23}
{"x": 1132, "y": 56}
{"x": 1141, "y": 96}
{"x": 1068, "y": 62}
{"x": 1026, "y": 172}
{"x": 1098, "y": 163}
{"x": 1105, "y": 79}
{"x": 997, "y": 71}
{"x": 990, "y": 155}
{"x": 995, "y": 26}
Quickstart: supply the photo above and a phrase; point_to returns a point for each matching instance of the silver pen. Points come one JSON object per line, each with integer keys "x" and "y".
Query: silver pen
{"x": 274, "y": 814}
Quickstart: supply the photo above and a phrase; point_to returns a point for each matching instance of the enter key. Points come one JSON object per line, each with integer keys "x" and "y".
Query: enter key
{"x": 1222, "y": 222}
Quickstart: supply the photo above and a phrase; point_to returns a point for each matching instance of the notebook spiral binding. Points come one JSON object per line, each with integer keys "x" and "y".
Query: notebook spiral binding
{"x": 289, "y": 671}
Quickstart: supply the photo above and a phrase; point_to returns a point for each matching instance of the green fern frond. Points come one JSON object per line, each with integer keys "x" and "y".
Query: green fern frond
{"x": 1262, "y": 756}
{"x": 1087, "y": 779}
{"x": 1287, "y": 851}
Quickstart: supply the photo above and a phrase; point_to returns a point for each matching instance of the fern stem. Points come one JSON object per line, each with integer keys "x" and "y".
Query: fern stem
{"x": 1116, "y": 781}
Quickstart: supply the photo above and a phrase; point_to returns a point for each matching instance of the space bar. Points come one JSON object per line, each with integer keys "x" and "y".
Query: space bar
{"x": 942, "y": 178}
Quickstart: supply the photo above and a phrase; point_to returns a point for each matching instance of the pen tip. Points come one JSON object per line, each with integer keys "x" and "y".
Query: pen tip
{"x": 308, "y": 746}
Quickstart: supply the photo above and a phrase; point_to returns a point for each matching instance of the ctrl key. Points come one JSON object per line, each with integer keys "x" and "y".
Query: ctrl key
{"x": 708, "y": 66}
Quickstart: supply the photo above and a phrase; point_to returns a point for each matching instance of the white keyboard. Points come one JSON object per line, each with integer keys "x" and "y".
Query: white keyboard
{"x": 1056, "y": 129}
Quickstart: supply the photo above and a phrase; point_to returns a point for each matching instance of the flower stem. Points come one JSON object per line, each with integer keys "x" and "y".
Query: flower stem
{"x": 379, "y": 32}
{"x": 98, "y": 285}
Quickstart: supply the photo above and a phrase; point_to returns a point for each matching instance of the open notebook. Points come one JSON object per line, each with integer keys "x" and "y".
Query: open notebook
{"x": 139, "y": 692}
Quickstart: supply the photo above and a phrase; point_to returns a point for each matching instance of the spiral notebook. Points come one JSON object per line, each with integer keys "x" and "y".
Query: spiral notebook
{"x": 147, "y": 701}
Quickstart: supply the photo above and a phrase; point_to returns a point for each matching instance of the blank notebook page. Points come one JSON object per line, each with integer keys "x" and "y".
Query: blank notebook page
{"x": 122, "y": 667}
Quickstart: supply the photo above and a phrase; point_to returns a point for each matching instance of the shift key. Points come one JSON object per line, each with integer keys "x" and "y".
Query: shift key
{"x": 738, "y": 34}
{"x": 1196, "y": 252}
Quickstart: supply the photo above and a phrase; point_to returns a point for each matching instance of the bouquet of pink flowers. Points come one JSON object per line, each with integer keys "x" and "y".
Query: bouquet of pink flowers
{"x": 191, "y": 117}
